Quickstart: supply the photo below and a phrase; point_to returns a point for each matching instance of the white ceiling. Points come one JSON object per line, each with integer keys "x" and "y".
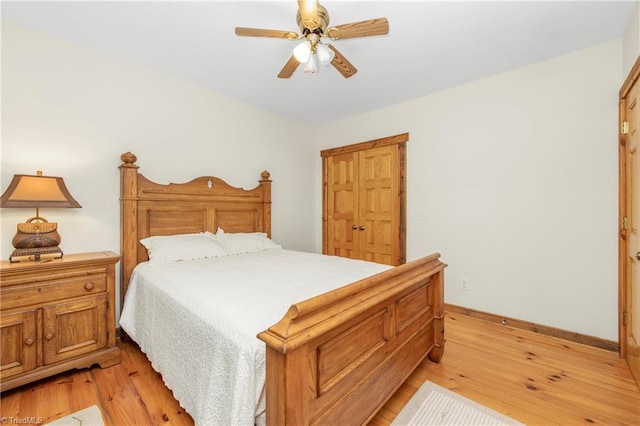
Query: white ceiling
{"x": 431, "y": 45}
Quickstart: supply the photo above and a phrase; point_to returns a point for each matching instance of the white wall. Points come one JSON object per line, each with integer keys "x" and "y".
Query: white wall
{"x": 71, "y": 112}
{"x": 631, "y": 41}
{"x": 516, "y": 176}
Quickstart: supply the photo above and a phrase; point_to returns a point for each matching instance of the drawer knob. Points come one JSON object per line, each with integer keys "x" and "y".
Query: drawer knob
{"x": 49, "y": 336}
{"x": 88, "y": 286}
{"x": 29, "y": 341}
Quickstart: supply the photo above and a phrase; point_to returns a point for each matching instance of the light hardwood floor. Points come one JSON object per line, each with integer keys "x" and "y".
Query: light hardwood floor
{"x": 535, "y": 379}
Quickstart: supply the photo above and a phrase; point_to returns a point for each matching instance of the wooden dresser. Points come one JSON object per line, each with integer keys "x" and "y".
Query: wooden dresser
{"x": 56, "y": 315}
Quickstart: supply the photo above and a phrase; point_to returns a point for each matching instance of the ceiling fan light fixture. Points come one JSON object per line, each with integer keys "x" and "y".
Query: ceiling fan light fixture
{"x": 302, "y": 52}
{"x": 311, "y": 66}
{"x": 325, "y": 55}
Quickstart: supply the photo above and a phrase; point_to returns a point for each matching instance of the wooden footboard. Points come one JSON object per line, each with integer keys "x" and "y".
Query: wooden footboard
{"x": 338, "y": 357}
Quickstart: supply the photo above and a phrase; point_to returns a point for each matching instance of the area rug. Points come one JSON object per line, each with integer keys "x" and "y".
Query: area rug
{"x": 90, "y": 416}
{"x": 435, "y": 405}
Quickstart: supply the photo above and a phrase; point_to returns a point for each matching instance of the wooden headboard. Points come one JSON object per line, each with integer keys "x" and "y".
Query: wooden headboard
{"x": 204, "y": 204}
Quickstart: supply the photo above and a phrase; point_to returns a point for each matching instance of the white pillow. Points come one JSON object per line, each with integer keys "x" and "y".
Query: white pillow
{"x": 170, "y": 248}
{"x": 236, "y": 243}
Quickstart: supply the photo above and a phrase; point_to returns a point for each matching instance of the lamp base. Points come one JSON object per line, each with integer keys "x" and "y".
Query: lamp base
{"x": 36, "y": 233}
{"x": 35, "y": 254}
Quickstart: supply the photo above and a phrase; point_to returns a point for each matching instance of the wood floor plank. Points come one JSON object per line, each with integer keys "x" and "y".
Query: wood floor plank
{"x": 503, "y": 394}
{"x": 158, "y": 399}
{"x": 120, "y": 397}
{"x": 596, "y": 365}
{"x": 53, "y": 398}
{"x": 556, "y": 371}
{"x": 532, "y": 390}
{"x": 564, "y": 383}
{"x": 535, "y": 379}
{"x": 512, "y": 371}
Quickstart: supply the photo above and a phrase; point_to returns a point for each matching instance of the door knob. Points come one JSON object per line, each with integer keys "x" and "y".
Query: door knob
{"x": 362, "y": 228}
{"x": 354, "y": 226}
{"x": 638, "y": 255}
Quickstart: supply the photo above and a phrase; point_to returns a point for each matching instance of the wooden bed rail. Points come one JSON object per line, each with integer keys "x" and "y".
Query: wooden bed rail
{"x": 396, "y": 317}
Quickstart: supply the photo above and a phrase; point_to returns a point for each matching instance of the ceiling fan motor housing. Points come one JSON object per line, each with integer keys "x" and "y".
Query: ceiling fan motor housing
{"x": 318, "y": 26}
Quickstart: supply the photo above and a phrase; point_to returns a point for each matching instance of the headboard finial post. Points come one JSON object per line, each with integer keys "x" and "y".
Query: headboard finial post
{"x": 128, "y": 218}
{"x": 265, "y": 183}
{"x": 128, "y": 159}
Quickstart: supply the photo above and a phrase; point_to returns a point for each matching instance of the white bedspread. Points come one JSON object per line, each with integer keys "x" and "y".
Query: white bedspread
{"x": 197, "y": 322}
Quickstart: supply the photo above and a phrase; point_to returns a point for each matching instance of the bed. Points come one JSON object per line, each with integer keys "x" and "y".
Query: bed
{"x": 331, "y": 357}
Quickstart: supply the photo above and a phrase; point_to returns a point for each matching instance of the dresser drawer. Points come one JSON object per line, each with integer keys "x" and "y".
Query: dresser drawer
{"x": 33, "y": 293}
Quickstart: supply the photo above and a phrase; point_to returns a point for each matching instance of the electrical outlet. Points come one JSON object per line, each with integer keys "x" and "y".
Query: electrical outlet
{"x": 464, "y": 284}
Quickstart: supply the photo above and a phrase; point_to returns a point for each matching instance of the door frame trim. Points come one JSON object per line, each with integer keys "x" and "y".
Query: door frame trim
{"x": 633, "y": 76}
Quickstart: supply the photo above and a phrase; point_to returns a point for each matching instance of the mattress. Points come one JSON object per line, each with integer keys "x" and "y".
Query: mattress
{"x": 197, "y": 322}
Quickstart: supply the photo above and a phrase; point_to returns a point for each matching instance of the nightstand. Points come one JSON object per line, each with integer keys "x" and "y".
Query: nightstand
{"x": 57, "y": 315}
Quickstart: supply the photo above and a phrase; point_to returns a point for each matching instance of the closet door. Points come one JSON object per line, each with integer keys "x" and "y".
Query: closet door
{"x": 378, "y": 205}
{"x": 364, "y": 200}
{"x": 341, "y": 205}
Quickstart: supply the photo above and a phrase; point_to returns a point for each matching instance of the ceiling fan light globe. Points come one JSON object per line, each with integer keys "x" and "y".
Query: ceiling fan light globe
{"x": 302, "y": 52}
{"x": 325, "y": 55}
{"x": 311, "y": 66}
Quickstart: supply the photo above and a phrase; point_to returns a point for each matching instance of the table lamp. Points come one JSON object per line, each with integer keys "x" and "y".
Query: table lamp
{"x": 37, "y": 238}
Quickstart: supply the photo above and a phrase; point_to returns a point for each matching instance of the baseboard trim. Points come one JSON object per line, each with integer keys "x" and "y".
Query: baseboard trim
{"x": 570, "y": 336}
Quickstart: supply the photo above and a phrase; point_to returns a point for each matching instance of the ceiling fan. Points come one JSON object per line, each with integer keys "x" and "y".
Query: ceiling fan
{"x": 313, "y": 21}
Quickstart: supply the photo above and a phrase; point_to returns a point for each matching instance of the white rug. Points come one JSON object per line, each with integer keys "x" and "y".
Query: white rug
{"x": 435, "y": 405}
{"x": 90, "y": 416}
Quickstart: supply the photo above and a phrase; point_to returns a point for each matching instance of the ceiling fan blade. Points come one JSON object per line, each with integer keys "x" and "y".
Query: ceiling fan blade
{"x": 372, "y": 27}
{"x": 257, "y": 32}
{"x": 341, "y": 64}
{"x": 289, "y": 67}
{"x": 308, "y": 10}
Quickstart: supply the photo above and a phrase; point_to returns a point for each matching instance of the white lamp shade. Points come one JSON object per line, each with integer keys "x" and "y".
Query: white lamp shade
{"x": 311, "y": 66}
{"x": 302, "y": 52}
{"x": 325, "y": 55}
